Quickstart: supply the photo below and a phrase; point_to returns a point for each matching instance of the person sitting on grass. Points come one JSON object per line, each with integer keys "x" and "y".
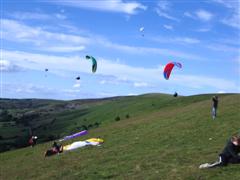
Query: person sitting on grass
{"x": 230, "y": 154}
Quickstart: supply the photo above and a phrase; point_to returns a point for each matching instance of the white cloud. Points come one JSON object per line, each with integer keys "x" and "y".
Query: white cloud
{"x": 232, "y": 19}
{"x": 165, "y": 15}
{"x": 77, "y": 85}
{"x": 203, "y": 30}
{"x": 223, "y": 48}
{"x": 121, "y": 73}
{"x": 200, "y": 14}
{"x": 46, "y": 41}
{"x": 204, "y": 15}
{"x": 163, "y": 9}
{"x": 169, "y": 27}
{"x": 60, "y": 16}
{"x": 105, "y": 5}
{"x": 164, "y": 5}
{"x": 103, "y": 82}
{"x": 199, "y": 81}
{"x": 30, "y": 15}
{"x": 41, "y": 61}
{"x": 188, "y": 14}
{"x": 140, "y": 84}
{"x": 28, "y": 88}
{"x": 133, "y": 94}
{"x": 19, "y": 32}
{"x": 64, "y": 48}
{"x": 36, "y": 16}
{"x": 161, "y": 51}
{"x": 180, "y": 40}
{"x": 71, "y": 90}
{"x": 114, "y": 80}
{"x": 187, "y": 40}
{"x": 6, "y": 66}
{"x": 221, "y": 92}
{"x": 228, "y": 3}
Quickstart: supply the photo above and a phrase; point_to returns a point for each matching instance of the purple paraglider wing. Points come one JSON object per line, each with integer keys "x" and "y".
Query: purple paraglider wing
{"x": 74, "y": 135}
{"x": 178, "y": 64}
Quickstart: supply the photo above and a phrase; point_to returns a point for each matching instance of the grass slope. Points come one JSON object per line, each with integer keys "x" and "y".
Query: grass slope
{"x": 164, "y": 138}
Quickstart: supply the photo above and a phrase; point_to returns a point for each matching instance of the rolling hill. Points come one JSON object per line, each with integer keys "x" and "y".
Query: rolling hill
{"x": 152, "y": 136}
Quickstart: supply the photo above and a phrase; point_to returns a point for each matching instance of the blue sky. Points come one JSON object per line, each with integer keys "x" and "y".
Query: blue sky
{"x": 204, "y": 36}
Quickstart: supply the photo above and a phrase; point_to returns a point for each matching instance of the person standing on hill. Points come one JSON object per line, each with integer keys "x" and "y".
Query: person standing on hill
{"x": 33, "y": 141}
{"x": 214, "y": 106}
{"x": 175, "y": 94}
{"x": 230, "y": 154}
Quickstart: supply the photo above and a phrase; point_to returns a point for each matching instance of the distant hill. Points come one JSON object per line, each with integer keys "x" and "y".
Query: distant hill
{"x": 152, "y": 136}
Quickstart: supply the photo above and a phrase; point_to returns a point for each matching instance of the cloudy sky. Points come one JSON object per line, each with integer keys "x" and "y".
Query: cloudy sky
{"x": 36, "y": 35}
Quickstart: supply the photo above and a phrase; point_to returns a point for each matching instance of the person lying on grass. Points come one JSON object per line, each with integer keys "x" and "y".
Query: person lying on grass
{"x": 230, "y": 154}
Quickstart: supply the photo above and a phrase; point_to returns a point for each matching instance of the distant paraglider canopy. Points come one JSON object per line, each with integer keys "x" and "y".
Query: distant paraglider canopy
{"x": 168, "y": 69}
{"x": 94, "y": 63}
{"x": 46, "y": 71}
{"x": 78, "y": 78}
{"x": 142, "y": 30}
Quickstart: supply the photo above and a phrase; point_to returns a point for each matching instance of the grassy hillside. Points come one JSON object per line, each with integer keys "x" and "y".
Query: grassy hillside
{"x": 51, "y": 119}
{"x": 161, "y": 138}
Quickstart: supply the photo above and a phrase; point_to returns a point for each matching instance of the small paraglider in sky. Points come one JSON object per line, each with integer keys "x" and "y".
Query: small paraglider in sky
{"x": 142, "y": 30}
{"x": 168, "y": 69}
{"x": 46, "y": 70}
{"x": 94, "y": 63}
{"x": 77, "y": 83}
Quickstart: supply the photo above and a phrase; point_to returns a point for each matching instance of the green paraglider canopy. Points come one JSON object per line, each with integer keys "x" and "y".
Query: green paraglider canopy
{"x": 94, "y": 63}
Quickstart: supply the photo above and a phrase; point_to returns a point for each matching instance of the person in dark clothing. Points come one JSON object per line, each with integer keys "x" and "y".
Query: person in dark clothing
{"x": 33, "y": 141}
{"x": 175, "y": 94}
{"x": 56, "y": 149}
{"x": 228, "y": 155}
{"x": 214, "y": 106}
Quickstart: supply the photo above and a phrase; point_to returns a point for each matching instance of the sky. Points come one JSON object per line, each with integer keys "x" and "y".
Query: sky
{"x": 204, "y": 36}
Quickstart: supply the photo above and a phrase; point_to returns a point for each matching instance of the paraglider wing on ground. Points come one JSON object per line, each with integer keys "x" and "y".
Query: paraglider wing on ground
{"x": 79, "y": 144}
{"x": 84, "y": 132}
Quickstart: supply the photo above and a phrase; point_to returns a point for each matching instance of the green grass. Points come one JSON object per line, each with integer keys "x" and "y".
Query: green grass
{"x": 164, "y": 138}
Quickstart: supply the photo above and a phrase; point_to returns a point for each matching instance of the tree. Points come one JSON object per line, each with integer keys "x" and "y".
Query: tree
{"x": 117, "y": 118}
